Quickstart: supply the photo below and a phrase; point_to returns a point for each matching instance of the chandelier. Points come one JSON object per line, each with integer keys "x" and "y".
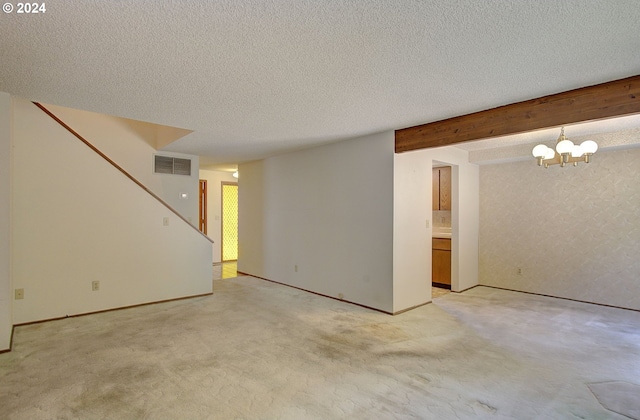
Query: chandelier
{"x": 565, "y": 152}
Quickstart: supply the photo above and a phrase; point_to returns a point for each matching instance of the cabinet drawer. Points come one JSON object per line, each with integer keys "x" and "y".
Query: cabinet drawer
{"x": 441, "y": 243}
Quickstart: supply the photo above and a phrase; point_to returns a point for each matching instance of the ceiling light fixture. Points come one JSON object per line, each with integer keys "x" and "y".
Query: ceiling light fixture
{"x": 235, "y": 174}
{"x": 565, "y": 152}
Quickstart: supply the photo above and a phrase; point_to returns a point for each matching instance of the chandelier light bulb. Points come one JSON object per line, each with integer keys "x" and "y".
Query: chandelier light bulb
{"x": 576, "y": 151}
{"x": 540, "y": 151}
{"x": 589, "y": 146}
{"x": 565, "y": 146}
{"x": 550, "y": 153}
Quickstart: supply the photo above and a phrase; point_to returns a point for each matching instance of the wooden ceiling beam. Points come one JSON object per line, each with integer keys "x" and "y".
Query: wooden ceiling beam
{"x": 606, "y": 100}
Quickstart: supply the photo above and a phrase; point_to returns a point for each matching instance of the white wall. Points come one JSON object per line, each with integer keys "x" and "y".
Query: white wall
{"x": 76, "y": 219}
{"x": 6, "y": 300}
{"x": 412, "y": 238}
{"x": 466, "y": 216}
{"x": 574, "y": 231}
{"x": 214, "y": 207}
{"x": 328, "y": 210}
{"x": 131, "y": 144}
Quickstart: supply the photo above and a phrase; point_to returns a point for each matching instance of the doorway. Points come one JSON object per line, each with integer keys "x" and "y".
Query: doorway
{"x": 229, "y": 221}
{"x": 441, "y": 241}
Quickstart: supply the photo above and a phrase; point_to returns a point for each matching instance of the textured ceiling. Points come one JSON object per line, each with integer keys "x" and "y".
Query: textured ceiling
{"x": 255, "y": 78}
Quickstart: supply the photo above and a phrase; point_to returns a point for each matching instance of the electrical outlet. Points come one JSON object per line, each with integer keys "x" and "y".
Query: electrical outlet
{"x": 95, "y": 285}
{"x": 427, "y": 223}
{"x": 165, "y": 221}
{"x": 519, "y": 271}
{"x": 295, "y": 268}
{"x": 19, "y": 294}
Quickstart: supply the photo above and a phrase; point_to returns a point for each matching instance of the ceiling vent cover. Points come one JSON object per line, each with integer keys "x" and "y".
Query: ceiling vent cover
{"x": 172, "y": 165}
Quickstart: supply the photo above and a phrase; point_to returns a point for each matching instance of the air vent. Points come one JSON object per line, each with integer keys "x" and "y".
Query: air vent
{"x": 172, "y": 165}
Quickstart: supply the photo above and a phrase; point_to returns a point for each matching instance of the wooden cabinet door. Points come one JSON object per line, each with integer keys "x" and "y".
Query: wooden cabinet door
{"x": 441, "y": 188}
{"x": 441, "y": 261}
{"x": 441, "y": 267}
{"x": 445, "y": 188}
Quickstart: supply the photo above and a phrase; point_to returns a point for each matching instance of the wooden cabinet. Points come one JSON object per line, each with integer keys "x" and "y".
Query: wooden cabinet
{"x": 441, "y": 262}
{"x": 442, "y": 188}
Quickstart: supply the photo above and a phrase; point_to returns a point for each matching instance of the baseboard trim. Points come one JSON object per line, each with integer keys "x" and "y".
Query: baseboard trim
{"x": 560, "y": 297}
{"x": 316, "y": 293}
{"x": 464, "y": 290}
{"x": 411, "y": 308}
{"x": 10, "y": 341}
{"x": 111, "y": 310}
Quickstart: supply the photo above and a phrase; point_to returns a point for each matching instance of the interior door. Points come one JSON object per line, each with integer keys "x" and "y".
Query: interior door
{"x": 202, "y": 212}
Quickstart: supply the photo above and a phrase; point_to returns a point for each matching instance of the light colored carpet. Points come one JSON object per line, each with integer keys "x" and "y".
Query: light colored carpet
{"x": 258, "y": 350}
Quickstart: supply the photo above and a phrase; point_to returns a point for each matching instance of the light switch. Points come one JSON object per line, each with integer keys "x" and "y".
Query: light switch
{"x": 165, "y": 221}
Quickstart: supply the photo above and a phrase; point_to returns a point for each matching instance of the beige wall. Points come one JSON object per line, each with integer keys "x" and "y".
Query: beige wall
{"x": 411, "y": 236}
{"x": 214, "y": 207}
{"x": 6, "y": 295}
{"x": 574, "y": 232}
{"x": 77, "y": 220}
{"x": 353, "y": 217}
{"x": 328, "y": 211}
{"x": 132, "y": 145}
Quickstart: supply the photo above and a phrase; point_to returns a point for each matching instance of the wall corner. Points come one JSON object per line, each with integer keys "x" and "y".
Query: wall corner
{"x": 6, "y": 301}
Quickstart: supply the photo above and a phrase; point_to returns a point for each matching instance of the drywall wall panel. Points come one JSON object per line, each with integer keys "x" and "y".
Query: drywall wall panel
{"x": 322, "y": 220}
{"x": 411, "y": 231}
{"x": 214, "y": 207}
{"x": 132, "y": 145}
{"x": 6, "y": 295}
{"x": 78, "y": 220}
{"x": 466, "y": 217}
{"x": 573, "y": 232}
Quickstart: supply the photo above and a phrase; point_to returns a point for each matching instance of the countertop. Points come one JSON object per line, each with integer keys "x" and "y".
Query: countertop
{"x": 441, "y": 232}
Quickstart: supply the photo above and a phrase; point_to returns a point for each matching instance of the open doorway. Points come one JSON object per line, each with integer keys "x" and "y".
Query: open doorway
{"x": 229, "y": 221}
{"x": 442, "y": 194}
